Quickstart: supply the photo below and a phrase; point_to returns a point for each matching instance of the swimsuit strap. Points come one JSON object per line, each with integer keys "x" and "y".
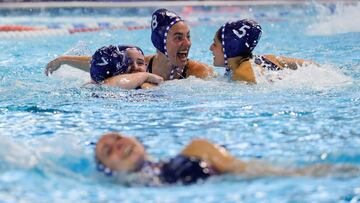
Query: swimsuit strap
{"x": 178, "y": 71}
{"x": 185, "y": 71}
{"x": 265, "y": 63}
{"x": 149, "y": 67}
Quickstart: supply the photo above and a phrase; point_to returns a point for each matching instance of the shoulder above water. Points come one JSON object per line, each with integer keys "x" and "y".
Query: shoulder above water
{"x": 199, "y": 70}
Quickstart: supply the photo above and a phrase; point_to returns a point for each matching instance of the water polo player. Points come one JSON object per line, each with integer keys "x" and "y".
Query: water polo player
{"x": 122, "y": 157}
{"x": 118, "y": 66}
{"x": 170, "y": 36}
{"x": 232, "y": 48}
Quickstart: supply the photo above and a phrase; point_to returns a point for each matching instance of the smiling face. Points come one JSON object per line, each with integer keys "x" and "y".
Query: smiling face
{"x": 217, "y": 51}
{"x": 137, "y": 63}
{"x": 178, "y": 44}
{"x": 119, "y": 153}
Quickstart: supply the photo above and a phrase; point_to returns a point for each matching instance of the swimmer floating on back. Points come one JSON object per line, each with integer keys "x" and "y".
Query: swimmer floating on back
{"x": 117, "y": 66}
{"x": 199, "y": 160}
{"x": 232, "y": 48}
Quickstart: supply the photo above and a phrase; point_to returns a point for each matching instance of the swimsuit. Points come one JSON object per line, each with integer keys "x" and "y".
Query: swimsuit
{"x": 172, "y": 74}
{"x": 265, "y": 70}
{"x": 180, "y": 169}
{"x": 265, "y": 63}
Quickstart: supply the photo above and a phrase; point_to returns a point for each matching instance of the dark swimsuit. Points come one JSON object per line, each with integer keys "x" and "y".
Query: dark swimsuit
{"x": 180, "y": 169}
{"x": 149, "y": 68}
{"x": 265, "y": 63}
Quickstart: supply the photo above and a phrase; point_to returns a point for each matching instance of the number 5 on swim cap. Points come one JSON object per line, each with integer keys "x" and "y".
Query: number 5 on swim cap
{"x": 242, "y": 30}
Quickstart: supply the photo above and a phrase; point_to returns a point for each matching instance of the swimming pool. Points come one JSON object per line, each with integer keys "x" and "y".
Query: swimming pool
{"x": 311, "y": 116}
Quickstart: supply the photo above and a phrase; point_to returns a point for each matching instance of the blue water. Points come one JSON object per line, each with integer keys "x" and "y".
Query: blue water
{"x": 311, "y": 116}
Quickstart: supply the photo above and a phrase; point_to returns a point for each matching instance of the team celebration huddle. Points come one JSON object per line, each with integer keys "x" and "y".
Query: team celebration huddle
{"x": 126, "y": 66}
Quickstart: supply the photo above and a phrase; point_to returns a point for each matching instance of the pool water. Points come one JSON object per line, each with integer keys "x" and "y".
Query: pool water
{"x": 310, "y": 116}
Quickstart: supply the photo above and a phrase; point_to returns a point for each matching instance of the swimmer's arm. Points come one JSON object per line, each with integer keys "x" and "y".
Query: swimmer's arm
{"x": 219, "y": 158}
{"x": 286, "y": 62}
{"x": 223, "y": 162}
{"x": 244, "y": 73}
{"x": 258, "y": 168}
{"x": 200, "y": 70}
{"x": 133, "y": 80}
{"x": 215, "y": 155}
{"x": 147, "y": 85}
{"x": 80, "y": 62}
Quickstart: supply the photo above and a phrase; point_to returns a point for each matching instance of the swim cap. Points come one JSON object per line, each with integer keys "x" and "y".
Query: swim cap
{"x": 110, "y": 61}
{"x": 161, "y": 22}
{"x": 239, "y": 38}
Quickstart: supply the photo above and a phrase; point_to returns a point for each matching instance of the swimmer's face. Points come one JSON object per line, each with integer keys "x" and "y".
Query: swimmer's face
{"x": 119, "y": 153}
{"x": 137, "y": 63}
{"x": 178, "y": 44}
{"x": 217, "y": 51}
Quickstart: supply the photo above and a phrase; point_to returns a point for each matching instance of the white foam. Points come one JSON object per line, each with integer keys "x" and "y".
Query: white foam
{"x": 16, "y": 155}
{"x": 44, "y": 153}
{"x": 345, "y": 19}
{"x": 312, "y": 76}
{"x": 70, "y": 73}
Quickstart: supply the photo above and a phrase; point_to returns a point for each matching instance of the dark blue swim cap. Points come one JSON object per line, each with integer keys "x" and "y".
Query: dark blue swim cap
{"x": 239, "y": 38}
{"x": 161, "y": 22}
{"x": 110, "y": 61}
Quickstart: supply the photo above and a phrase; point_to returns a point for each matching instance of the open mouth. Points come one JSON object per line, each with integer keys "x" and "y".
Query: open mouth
{"x": 182, "y": 55}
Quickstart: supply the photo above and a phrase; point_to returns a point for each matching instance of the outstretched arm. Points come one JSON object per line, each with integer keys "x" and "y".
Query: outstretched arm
{"x": 147, "y": 85}
{"x": 134, "y": 80}
{"x": 219, "y": 158}
{"x": 223, "y": 162}
{"x": 80, "y": 62}
{"x": 286, "y": 62}
{"x": 215, "y": 155}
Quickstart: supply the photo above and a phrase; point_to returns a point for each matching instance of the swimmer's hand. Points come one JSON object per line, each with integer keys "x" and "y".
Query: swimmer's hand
{"x": 154, "y": 79}
{"x": 53, "y": 66}
{"x": 147, "y": 85}
{"x": 79, "y": 62}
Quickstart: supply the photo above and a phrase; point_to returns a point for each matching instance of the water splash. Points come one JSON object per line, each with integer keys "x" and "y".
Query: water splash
{"x": 80, "y": 49}
{"x": 59, "y": 156}
{"x": 335, "y": 20}
{"x": 15, "y": 155}
{"x": 310, "y": 76}
{"x": 70, "y": 73}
